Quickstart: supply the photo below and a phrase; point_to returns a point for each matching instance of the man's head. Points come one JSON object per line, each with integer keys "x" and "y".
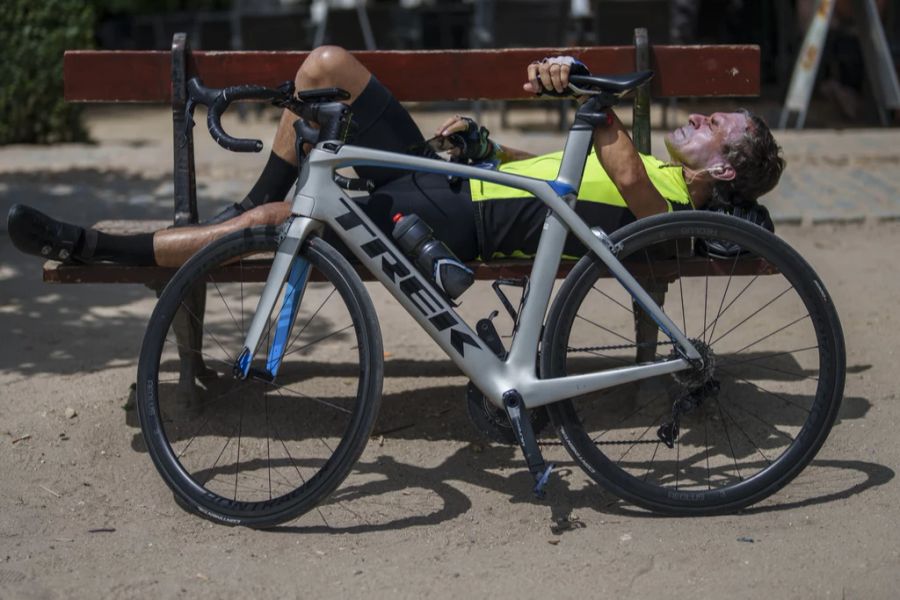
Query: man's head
{"x": 736, "y": 149}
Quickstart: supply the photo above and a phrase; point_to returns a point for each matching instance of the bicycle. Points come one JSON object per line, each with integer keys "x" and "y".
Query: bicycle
{"x": 247, "y": 440}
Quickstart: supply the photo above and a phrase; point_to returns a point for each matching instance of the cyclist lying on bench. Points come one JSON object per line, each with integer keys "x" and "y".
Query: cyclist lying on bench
{"x": 723, "y": 161}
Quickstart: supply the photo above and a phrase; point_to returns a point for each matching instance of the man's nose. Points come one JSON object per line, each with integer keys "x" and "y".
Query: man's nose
{"x": 696, "y": 120}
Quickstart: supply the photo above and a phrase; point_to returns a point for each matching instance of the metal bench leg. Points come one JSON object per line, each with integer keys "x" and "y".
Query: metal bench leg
{"x": 188, "y": 328}
{"x": 646, "y": 331}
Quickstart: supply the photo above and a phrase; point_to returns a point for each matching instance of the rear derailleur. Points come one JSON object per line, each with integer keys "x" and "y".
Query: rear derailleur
{"x": 687, "y": 403}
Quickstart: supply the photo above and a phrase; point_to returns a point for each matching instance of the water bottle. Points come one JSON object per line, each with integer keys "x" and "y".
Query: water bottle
{"x": 431, "y": 256}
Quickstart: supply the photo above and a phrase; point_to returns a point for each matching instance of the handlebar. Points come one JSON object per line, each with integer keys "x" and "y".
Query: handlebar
{"x": 218, "y": 100}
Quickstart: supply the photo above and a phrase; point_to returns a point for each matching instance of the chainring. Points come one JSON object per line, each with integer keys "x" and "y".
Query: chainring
{"x": 492, "y": 422}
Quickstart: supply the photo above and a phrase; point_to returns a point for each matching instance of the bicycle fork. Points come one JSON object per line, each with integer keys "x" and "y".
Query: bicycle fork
{"x": 288, "y": 272}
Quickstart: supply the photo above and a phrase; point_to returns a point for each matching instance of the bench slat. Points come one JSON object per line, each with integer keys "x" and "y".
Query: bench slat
{"x": 668, "y": 271}
{"x": 145, "y": 76}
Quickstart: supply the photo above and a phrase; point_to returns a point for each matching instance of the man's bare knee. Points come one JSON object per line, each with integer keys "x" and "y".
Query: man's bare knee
{"x": 332, "y": 66}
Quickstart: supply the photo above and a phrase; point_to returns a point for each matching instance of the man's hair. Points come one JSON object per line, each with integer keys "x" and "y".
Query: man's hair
{"x": 757, "y": 163}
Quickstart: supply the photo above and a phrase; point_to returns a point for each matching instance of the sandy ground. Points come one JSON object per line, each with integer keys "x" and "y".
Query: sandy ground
{"x": 84, "y": 513}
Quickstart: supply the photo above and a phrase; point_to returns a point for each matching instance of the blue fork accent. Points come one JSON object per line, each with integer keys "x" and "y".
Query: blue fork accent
{"x": 295, "y": 285}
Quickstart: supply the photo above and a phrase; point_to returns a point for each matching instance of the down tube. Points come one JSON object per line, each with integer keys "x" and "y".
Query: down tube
{"x": 417, "y": 295}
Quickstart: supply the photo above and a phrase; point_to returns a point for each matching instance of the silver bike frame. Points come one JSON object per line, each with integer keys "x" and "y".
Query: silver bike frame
{"x": 319, "y": 202}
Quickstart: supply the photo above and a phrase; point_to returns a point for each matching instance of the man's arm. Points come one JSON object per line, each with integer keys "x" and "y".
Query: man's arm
{"x": 624, "y": 166}
{"x": 614, "y": 148}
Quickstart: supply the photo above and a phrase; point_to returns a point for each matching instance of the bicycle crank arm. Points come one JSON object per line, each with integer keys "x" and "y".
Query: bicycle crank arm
{"x": 521, "y": 424}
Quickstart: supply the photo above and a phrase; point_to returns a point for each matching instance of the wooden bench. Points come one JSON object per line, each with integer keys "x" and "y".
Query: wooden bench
{"x": 418, "y": 76}
{"x": 415, "y": 76}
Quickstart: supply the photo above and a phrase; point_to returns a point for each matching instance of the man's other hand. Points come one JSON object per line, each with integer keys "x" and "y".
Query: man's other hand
{"x": 552, "y": 74}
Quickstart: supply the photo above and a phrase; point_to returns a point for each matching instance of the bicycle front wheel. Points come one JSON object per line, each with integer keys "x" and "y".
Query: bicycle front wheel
{"x": 258, "y": 452}
{"x": 717, "y": 438}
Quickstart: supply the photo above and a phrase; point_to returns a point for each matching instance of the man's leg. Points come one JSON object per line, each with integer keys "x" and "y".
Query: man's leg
{"x": 327, "y": 66}
{"x": 172, "y": 247}
{"x": 381, "y": 123}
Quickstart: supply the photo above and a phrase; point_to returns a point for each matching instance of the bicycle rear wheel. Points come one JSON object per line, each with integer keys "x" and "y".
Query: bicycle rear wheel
{"x": 710, "y": 440}
{"x": 256, "y": 452}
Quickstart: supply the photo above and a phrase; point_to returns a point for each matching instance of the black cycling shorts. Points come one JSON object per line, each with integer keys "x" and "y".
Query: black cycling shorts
{"x": 470, "y": 229}
{"x": 382, "y": 123}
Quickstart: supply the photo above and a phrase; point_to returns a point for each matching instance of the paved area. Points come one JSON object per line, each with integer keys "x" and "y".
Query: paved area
{"x": 832, "y": 176}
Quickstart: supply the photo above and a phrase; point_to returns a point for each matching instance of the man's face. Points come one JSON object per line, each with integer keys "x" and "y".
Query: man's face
{"x": 699, "y": 144}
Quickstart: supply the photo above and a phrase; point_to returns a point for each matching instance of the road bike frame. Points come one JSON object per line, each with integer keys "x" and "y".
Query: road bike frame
{"x": 320, "y": 202}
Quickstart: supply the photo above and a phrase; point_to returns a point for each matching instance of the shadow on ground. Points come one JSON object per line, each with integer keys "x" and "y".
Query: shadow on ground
{"x": 56, "y": 328}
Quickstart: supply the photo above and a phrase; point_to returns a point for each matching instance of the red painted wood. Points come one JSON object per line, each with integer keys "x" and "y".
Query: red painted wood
{"x": 144, "y": 76}
{"x": 154, "y": 276}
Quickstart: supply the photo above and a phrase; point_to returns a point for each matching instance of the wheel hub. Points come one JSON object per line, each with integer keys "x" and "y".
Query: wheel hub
{"x": 701, "y": 370}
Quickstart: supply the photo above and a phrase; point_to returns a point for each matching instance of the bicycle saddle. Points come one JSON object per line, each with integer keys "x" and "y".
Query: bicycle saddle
{"x": 612, "y": 84}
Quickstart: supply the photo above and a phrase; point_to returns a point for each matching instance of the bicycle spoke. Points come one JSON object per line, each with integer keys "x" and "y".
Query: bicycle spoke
{"x": 279, "y": 387}
{"x": 199, "y": 353}
{"x": 737, "y": 469}
{"x": 724, "y": 294}
{"x": 606, "y": 329}
{"x": 722, "y": 311}
{"x": 225, "y": 302}
{"x": 308, "y": 321}
{"x": 652, "y": 459}
{"x": 268, "y": 452}
{"x": 764, "y": 422}
{"x": 626, "y": 417}
{"x": 212, "y": 469}
{"x": 728, "y": 363}
{"x": 203, "y": 329}
{"x": 780, "y": 329}
{"x": 753, "y": 314}
{"x": 746, "y": 435}
{"x": 752, "y": 362}
{"x": 639, "y": 438}
{"x": 705, "y": 297}
{"x": 321, "y": 339}
{"x": 762, "y": 389}
{"x": 681, "y": 292}
{"x": 611, "y": 299}
{"x": 237, "y": 464}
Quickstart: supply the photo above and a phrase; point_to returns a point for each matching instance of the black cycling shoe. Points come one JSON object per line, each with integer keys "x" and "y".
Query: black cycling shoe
{"x": 33, "y": 232}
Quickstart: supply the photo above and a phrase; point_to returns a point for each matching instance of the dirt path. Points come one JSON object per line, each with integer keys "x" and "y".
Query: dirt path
{"x": 431, "y": 510}
{"x": 84, "y": 514}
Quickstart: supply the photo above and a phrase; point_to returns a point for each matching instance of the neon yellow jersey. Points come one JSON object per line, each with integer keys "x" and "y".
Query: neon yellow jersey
{"x": 596, "y": 185}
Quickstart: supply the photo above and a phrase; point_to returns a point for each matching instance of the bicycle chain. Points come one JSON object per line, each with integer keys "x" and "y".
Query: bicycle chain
{"x": 611, "y": 443}
{"x": 619, "y": 346}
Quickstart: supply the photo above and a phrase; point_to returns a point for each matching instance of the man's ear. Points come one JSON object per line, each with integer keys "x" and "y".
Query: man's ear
{"x": 722, "y": 171}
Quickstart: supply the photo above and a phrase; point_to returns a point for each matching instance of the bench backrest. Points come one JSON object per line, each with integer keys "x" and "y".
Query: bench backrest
{"x": 126, "y": 76}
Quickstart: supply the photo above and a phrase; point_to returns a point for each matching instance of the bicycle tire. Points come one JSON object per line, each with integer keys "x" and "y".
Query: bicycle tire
{"x": 251, "y": 452}
{"x": 622, "y": 444}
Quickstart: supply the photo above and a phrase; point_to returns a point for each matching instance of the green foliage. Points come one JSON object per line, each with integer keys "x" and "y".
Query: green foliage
{"x": 33, "y": 37}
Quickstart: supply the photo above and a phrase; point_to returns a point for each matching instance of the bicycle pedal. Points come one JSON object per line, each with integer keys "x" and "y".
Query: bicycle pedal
{"x": 542, "y": 481}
